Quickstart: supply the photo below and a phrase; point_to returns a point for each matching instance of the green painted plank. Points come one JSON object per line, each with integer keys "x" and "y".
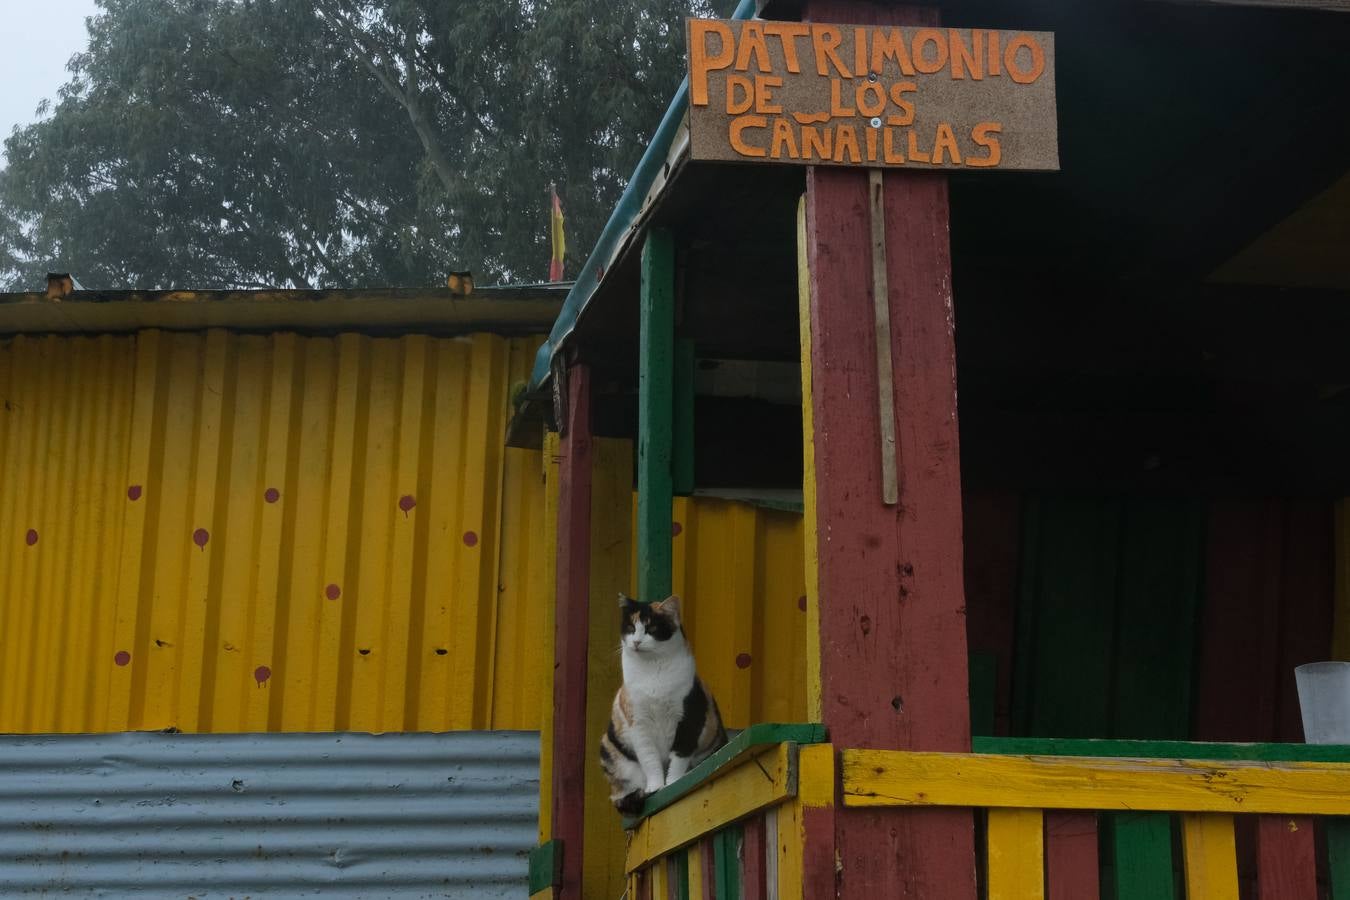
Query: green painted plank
{"x": 1068, "y": 611}
{"x": 1143, "y": 856}
{"x": 682, "y": 454}
{"x": 753, "y": 738}
{"x": 1019, "y": 746}
{"x": 1338, "y": 857}
{"x": 983, "y": 692}
{"x": 545, "y": 865}
{"x": 727, "y": 857}
{"x": 655, "y": 415}
{"x": 682, "y": 871}
{"x": 1159, "y": 594}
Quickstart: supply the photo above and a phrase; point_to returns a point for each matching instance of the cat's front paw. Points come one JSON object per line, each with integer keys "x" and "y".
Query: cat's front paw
{"x": 654, "y": 785}
{"x": 631, "y": 803}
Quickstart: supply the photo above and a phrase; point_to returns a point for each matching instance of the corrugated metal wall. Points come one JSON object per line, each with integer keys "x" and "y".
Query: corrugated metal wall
{"x": 739, "y": 571}
{"x": 220, "y": 532}
{"x": 154, "y": 815}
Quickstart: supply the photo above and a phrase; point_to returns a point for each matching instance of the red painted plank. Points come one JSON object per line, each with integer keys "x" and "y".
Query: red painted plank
{"x": 1071, "y": 855}
{"x": 644, "y": 884}
{"x": 892, "y": 625}
{"x": 1286, "y": 866}
{"x": 709, "y": 854}
{"x": 992, "y": 529}
{"x": 1307, "y": 604}
{"x": 570, "y": 751}
{"x": 819, "y": 874}
{"x": 754, "y": 838}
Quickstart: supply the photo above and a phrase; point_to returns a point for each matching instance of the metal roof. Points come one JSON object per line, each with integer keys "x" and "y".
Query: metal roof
{"x": 341, "y": 815}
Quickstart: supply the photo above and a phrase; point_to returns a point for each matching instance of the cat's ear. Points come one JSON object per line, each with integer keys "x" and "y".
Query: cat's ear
{"x": 670, "y": 606}
{"x": 624, "y": 600}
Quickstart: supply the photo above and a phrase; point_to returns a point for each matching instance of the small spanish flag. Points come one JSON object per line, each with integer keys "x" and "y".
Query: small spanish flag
{"x": 555, "y": 266}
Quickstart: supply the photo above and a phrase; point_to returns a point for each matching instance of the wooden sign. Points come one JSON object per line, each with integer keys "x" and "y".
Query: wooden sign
{"x": 973, "y": 100}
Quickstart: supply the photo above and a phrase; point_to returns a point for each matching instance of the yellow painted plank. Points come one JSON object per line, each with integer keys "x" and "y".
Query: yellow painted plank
{"x": 694, "y": 856}
{"x": 545, "y": 894}
{"x": 789, "y": 843}
{"x": 1016, "y": 854}
{"x": 816, "y": 778}
{"x": 898, "y": 778}
{"x": 1210, "y": 855}
{"x": 811, "y": 562}
{"x": 737, "y": 793}
{"x": 659, "y": 873}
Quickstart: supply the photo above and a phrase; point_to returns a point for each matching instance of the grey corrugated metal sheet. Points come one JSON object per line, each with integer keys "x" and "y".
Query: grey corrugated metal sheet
{"x": 274, "y": 815}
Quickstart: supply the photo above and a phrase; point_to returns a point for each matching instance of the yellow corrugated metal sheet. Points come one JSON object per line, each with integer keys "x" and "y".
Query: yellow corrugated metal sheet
{"x": 739, "y": 572}
{"x": 217, "y": 532}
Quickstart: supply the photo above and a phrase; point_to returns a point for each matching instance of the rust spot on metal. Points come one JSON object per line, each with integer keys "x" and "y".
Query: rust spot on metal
{"x": 470, "y": 539}
{"x": 122, "y": 658}
{"x": 271, "y": 495}
{"x": 865, "y": 623}
{"x": 801, "y": 603}
{"x": 406, "y": 503}
{"x": 31, "y": 537}
{"x": 134, "y": 492}
{"x": 261, "y": 674}
{"x": 743, "y": 661}
{"x": 332, "y": 592}
{"x": 200, "y": 537}
{"x": 675, "y": 529}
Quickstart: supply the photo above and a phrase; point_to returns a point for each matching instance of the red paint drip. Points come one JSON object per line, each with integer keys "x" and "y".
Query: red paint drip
{"x": 271, "y": 495}
{"x": 406, "y": 503}
{"x": 675, "y": 529}
{"x": 122, "y": 658}
{"x": 332, "y": 592}
{"x": 261, "y": 674}
{"x": 134, "y": 492}
{"x": 801, "y": 603}
{"x": 470, "y": 539}
{"x": 200, "y": 537}
{"x": 31, "y": 537}
{"x": 743, "y": 661}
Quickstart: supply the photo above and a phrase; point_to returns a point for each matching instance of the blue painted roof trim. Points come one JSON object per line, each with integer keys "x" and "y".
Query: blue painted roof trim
{"x": 620, "y": 221}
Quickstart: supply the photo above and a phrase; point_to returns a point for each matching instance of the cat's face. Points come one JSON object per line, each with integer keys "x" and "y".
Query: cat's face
{"x": 648, "y": 627}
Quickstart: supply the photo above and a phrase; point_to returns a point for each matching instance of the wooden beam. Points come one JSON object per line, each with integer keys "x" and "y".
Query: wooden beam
{"x": 570, "y": 750}
{"x": 892, "y": 778}
{"x": 890, "y": 598}
{"x": 655, "y": 415}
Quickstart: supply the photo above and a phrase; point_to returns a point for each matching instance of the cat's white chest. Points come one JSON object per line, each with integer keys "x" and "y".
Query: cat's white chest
{"x": 657, "y": 694}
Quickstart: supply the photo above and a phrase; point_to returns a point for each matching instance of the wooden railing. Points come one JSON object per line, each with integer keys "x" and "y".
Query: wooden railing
{"x": 731, "y": 828}
{"x": 1043, "y": 797}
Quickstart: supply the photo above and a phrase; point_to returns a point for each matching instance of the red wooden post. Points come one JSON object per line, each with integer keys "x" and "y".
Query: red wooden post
{"x": 570, "y": 752}
{"x": 893, "y": 668}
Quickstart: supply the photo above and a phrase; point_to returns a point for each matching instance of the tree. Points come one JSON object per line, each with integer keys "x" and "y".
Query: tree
{"x": 234, "y": 143}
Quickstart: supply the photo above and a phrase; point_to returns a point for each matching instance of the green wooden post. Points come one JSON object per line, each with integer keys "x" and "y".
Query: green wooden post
{"x": 682, "y": 462}
{"x": 1338, "y": 856}
{"x": 655, "y": 415}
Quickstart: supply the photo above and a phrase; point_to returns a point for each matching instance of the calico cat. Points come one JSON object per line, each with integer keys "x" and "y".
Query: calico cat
{"x": 663, "y": 721}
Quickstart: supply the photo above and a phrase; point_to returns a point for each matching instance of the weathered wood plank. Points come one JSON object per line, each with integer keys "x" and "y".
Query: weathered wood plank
{"x": 571, "y": 623}
{"x": 1210, "y": 856}
{"x": 659, "y": 877}
{"x": 1016, "y": 854}
{"x": 1071, "y": 867}
{"x": 1142, "y": 843}
{"x": 881, "y": 312}
{"x": 892, "y": 778}
{"x": 545, "y": 867}
{"x": 655, "y": 414}
{"x": 758, "y": 782}
{"x": 708, "y": 867}
{"x": 727, "y": 849}
{"x": 1018, "y": 746}
{"x": 1286, "y": 853}
{"x": 890, "y": 598}
{"x": 810, "y": 536}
